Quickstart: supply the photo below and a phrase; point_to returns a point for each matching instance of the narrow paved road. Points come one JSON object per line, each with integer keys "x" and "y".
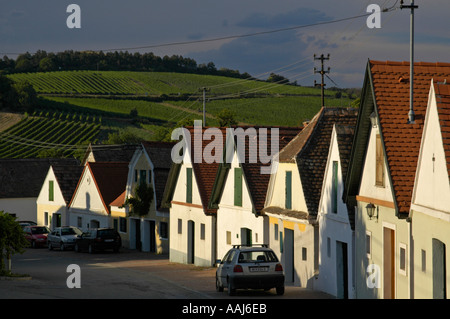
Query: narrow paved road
{"x": 126, "y": 275}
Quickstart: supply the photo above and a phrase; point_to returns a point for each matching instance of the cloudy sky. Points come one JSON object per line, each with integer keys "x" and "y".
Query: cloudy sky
{"x": 30, "y": 25}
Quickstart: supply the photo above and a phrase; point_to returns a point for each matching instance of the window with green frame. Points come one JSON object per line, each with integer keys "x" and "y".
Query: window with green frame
{"x": 188, "y": 184}
{"x": 237, "y": 186}
{"x": 334, "y": 187}
{"x": 51, "y": 195}
{"x": 288, "y": 190}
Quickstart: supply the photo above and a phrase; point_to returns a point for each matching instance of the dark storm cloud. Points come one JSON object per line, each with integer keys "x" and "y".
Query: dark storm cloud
{"x": 300, "y": 16}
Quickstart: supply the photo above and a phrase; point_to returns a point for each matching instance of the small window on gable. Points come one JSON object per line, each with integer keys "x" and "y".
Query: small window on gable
{"x": 142, "y": 176}
{"x": 188, "y": 185}
{"x": 180, "y": 226}
{"x": 288, "y": 190}
{"x": 379, "y": 174}
{"x": 238, "y": 186}
{"x": 51, "y": 191}
{"x": 334, "y": 188}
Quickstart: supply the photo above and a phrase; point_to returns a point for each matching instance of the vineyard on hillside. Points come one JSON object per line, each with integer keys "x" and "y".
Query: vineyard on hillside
{"x": 57, "y": 132}
{"x": 153, "y": 84}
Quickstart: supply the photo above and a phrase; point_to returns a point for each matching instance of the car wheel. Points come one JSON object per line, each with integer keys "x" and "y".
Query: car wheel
{"x": 219, "y": 288}
{"x": 50, "y": 247}
{"x": 231, "y": 291}
{"x": 280, "y": 290}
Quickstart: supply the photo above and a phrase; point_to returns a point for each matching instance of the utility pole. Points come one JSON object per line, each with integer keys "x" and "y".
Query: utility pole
{"x": 322, "y": 73}
{"x": 204, "y": 89}
{"x": 411, "y": 116}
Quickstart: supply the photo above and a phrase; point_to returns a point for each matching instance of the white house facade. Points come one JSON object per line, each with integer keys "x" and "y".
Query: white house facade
{"x": 430, "y": 207}
{"x": 336, "y": 221}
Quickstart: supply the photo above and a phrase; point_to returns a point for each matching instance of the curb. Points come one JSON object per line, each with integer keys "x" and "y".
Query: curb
{"x": 15, "y": 278}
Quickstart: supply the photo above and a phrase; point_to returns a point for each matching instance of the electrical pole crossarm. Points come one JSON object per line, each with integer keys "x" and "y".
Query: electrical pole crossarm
{"x": 322, "y": 73}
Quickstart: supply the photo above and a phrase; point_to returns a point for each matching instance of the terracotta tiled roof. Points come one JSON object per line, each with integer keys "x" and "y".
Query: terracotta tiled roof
{"x": 290, "y": 151}
{"x": 312, "y": 156}
{"x": 442, "y": 92}
{"x": 257, "y": 182}
{"x": 205, "y": 173}
{"x": 67, "y": 177}
{"x": 402, "y": 140}
{"x": 110, "y": 178}
{"x": 119, "y": 201}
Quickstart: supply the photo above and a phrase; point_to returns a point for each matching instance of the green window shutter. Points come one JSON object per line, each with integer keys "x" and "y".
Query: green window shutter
{"x": 238, "y": 186}
{"x": 188, "y": 185}
{"x": 288, "y": 190}
{"x": 334, "y": 187}
{"x": 142, "y": 176}
{"x": 50, "y": 191}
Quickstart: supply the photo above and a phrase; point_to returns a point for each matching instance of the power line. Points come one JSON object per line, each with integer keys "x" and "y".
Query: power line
{"x": 225, "y": 37}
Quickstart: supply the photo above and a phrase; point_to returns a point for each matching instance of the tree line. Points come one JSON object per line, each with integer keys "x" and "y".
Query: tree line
{"x": 70, "y": 60}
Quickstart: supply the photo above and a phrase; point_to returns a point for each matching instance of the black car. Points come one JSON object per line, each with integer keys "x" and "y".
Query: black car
{"x": 98, "y": 239}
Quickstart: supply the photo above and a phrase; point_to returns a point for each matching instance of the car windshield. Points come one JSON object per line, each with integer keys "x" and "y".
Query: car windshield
{"x": 253, "y": 256}
{"x": 70, "y": 231}
{"x": 39, "y": 230}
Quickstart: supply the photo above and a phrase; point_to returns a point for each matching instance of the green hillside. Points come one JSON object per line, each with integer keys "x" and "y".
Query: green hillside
{"x": 48, "y": 134}
{"x": 147, "y": 105}
{"x": 153, "y": 84}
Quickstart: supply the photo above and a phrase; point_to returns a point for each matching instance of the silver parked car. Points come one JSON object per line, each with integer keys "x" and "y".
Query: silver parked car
{"x": 63, "y": 237}
{"x": 250, "y": 267}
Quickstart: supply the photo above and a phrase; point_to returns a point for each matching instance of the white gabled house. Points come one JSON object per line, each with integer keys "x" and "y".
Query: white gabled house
{"x": 99, "y": 185}
{"x": 241, "y": 189}
{"x": 192, "y": 220}
{"x": 430, "y": 206}
{"x": 55, "y": 195}
{"x": 20, "y": 183}
{"x": 150, "y": 164}
{"x": 336, "y": 220}
{"x": 293, "y": 196}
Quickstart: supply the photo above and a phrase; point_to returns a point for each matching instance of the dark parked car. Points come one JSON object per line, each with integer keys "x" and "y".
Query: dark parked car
{"x": 24, "y": 223}
{"x": 247, "y": 267}
{"x": 36, "y": 235}
{"x": 99, "y": 239}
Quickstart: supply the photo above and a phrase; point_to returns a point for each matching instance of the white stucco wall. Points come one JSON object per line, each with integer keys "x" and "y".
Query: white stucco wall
{"x": 333, "y": 227}
{"x": 44, "y": 205}
{"x": 430, "y": 209}
{"x": 432, "y": 182}
{"x": 87, "y": 204}
{"x": 277, "y": 195}
{"x": 376, "y": 228}
{"x": 204, "y": 249}
{"x": 234, "y": 219}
